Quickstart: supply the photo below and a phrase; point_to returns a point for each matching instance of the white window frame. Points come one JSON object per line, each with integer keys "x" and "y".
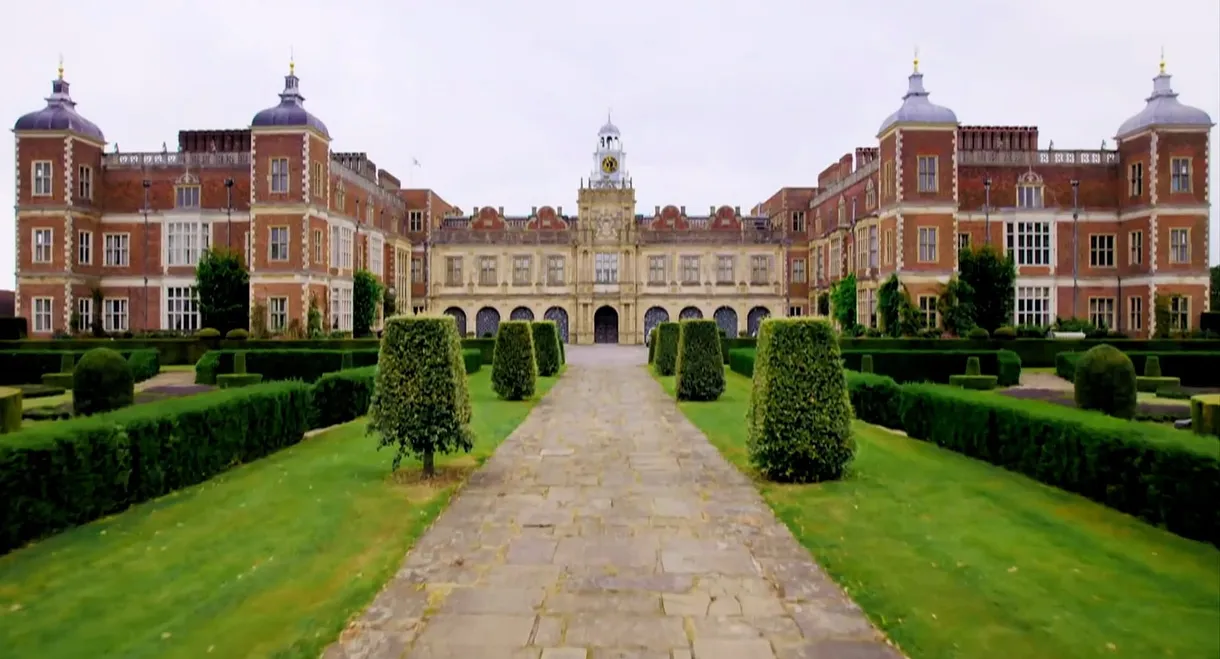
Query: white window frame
{"x": 1033, "y": 306}
{"x": 1030, "y": 196}
{"x": 1135, "y": 313}
{"x": 928, "y": 244}
{"x": 417, "y": 270}
{"x": 318, "y": 246}
{"x": 929, "y": 310}
{"x": 1179, "y": 313}
{"x": 556, "y": 266}
{"x": 341, "y": 308}
{"x": 760, "y": 269}
{"x": 799, "y": 275}
{"x": 1029, "y": 242}
{"x": 1135, "y": 248}
{"x": 1136, "y": 179}
{"x": 182, "y": 308}
{"x": 377, "y": 255}
{"x": 84, "y": 309}
{"x": 928, "y": 173}
{"x": 1101, "y": 250}
{"x": 42, "y": 239}
{"x": 84, "y": 247}
{"x": 1102, "y": 312}
{"x": 726, "y": 265}
{"x": 523, "y": 266}
{"x": 1180, "y": 175}
{"x": 415, "y": 221}
{"x": 44, "y": 314}
{"x": 277, "y": 313}
{"x": 116, "y": 250}
{"x": 277, "y": 175}
{"x": 1179, "y": 245}
{"x": 185, "y": 242}
{"x": 605, "y": 269}
{"x": 42, "y": 174}
{"x": 872, "y": 246}
{"x": 278, "y": 245}
{"x": 116, "y": 314}
{"x": 453, "y": 271}
{"x": 690, "y": 269}
{"x": 489, "y": 274}
{"x": 187, "y": 196}
{"x": 656, "y": 270}
{"x": 84, "y": 182}
{"x": 347, "y": 247}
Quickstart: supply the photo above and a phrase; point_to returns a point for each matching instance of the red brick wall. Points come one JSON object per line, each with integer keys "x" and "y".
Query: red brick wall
{"x": 33, "y": 149}
{"x": 916, "y": 143}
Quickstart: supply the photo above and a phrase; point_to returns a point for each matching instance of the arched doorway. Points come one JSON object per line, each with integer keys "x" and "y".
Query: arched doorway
{"x": 755, "y": 318}
{"x": 522, "y": 313}
{"x": 726, "y": 320}
{"x": 486, "y": 322}
{"x": 559, "y": 316}
{"x": 690, "y": 313}
{"x": 653, "y": 317}
{"x": 459, "y": 318}
{"x": 605, "y": 325}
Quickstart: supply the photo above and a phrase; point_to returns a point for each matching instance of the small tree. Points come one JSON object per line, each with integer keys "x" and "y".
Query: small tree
{"x": 956, "y": 310}
{"x": 101, "y": 381}
{"x": 98, "y": 329}
{"x": 992, "y": 277}
{"x": 843, "y": 302}
{"x": 313, "y": 328}
{"x": 514, "y": 369}
{"x": 421, "y": 401}
{"x": 389, "y": 303}
{"x": 1160, "y": 315}
{"x": 823, "y": 304}
{"x": 546, "y": 346}
{"x": 366, "y": 293}
{"x": 700, "y": 364}
{"x": 799, "y": 420}
{"x": 223, "y": 287}
{"x": 665, "y": 360}
{"x": 889, "y": 301}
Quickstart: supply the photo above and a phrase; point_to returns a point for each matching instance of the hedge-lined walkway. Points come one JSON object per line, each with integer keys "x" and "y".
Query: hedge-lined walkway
{"x": 608, "y": 526}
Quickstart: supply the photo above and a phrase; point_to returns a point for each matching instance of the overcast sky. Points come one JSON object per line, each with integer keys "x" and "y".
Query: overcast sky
{"x": 719, "y": 101}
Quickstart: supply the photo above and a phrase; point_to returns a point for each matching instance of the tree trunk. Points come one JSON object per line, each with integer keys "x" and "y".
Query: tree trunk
{"x": 429, "y": 464}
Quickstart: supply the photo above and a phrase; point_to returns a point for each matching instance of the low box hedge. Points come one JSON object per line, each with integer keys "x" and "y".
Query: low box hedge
{"x": 912, "y": 365}
{"x": 975, "y": 382}
{"x": 1205, "y": 414}
{"x": 1192, "y": 368}
{"x": 58, "y": 380}
{"x": 28, "y": 366}
{"x": 1150, "y": 384}
{"x": 342, "y": 396}
{"x": 273, "y": 365}
{"x": 58, "y": 475}
{"x": 472, "y": 360}
{"x": 1164, "y": 476}
{"x": 876, "y": 399}
{"x": 237, "y": 380}
{"x": 741, "y": 360}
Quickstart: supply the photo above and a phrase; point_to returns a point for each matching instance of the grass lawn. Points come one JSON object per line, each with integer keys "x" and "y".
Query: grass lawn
{"x": 267, "y": 560}
{"x": 953, "y": 557}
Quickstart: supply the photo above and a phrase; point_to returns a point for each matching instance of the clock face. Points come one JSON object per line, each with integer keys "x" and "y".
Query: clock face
{"x": 609, "y": 164}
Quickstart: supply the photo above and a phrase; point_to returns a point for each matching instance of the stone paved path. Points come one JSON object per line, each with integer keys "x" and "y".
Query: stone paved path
{"x": 607, "y": 527}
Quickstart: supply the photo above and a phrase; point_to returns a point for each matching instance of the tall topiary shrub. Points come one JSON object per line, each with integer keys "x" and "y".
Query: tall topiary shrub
{"x": 546, "y": 346}
{"x": 866, "y": 364}
{"x": 666, "y": 356}
{"x": 101, "y": 382}
{"x": 1105, "y": 381}
{"x": 421, "y": 402}
{"x": 223, "y": 287}
{"x": 652, "y": 344}
{"x": 1152, "y": 366}
{"x": 800, "y": 414}
{"x": 514, "y": 370}
{"x": 972, "y": 366}
{"x": 366, "y": 295}
{"x": 700, "y": 364}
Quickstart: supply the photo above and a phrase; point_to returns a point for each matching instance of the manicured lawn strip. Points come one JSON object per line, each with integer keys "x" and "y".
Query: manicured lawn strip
{"x": 267, "y": 560}
{"x": 953, "y": 557}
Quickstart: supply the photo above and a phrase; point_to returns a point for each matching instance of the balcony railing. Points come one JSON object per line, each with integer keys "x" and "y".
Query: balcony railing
{"x": 483, "y": 237}
{"x": 707, "y": 237}
{"x": 1031, "y": 158}
{"x": 177, "y": 159}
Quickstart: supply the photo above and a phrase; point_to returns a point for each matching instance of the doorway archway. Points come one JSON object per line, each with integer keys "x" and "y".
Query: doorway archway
{"x": 605, "y": 325}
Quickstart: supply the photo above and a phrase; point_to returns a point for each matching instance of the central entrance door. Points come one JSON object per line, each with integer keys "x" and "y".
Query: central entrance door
{"x": 605, "y": 325}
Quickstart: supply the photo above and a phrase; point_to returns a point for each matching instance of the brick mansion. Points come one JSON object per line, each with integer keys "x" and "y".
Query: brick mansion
{"x": 1095, "y": 234}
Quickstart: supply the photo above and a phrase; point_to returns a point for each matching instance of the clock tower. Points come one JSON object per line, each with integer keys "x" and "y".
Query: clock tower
{"x": 609, "y": 160}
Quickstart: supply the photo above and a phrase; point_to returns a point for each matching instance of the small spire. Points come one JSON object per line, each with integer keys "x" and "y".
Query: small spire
{"x": 916, "y": 59}
{"x": 61, "y": 66}
{"x": 292, "y": 61}
{"x": 1162, "y": 60}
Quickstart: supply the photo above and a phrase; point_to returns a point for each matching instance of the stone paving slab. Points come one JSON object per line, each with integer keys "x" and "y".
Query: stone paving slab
{"x": 607, "y": 527}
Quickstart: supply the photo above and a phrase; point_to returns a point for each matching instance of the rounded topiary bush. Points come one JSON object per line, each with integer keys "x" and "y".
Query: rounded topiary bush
{"x": 421, "y": 401}
{"x": 978, "y": 333}
{"x": 1152, "y": 366}
{"x": 101, "y": 382}
{"x": 700, "y": 364}
{"x": 237, "y": 334}
{"x": 866, "y": 364}
{"x": 239, "y": 362}
{"x": 208, "y": 333}
{"x": 514, "y": 370}
{"x": 1105, "y": 381}
{"x": 972, "y": 366}
{"x": 799, "y": 419}
{"x": 546, "y": 346}
{"x": 1005, "y": 332}
{"x": 666, "y": 357}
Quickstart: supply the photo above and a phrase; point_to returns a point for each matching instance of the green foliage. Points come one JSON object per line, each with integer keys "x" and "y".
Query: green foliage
{"x": 652, "y": 344}
{"x": 546, "y": 346}
{"x": 1160, "y": 313}
{"x": 421, "y": 402}
{"x": 98, "y": 328}
{"x": 208, "y": 333}
{"x": 875, "y": 399}
{"x": 472, "y": 361}
{"x": 700, "y": 364}
{"x": 101, "y": 382}
{"x": 1152, "y": 384}
{"x": 1164, "y": 476}
{"x": 58, "y": 380}
{"x": 992, "y": 278}
{"x": 666, "y": 357}
{"x": 866, "y": 364}
{"x": 843, "y": 301}
{"x": 313, "y": 328}
{"x": 1205, "y": 414}
{"x": 67, "y": 362}
{"x": 514, "y": 370}
{"x": 800, "y": 413}
{"x": 258, "y": 322}
{"x": 823, "y": 304}
{"x": 342, "y": 396}
{"x": 239, "y": 362}
{"x": 1004, "y": 333}
{"x": 972, "y": 366}
{"x": 240, "y": 334}
{"x": 973, "y": 381}
{"x": 389, "y": 303}
{"x": 223, "y": 287}
{"x": 58, "y": 475}
{"x": 889, "y": 299}
{"x": 347, "y": 361}
{"x": 978, "y": 334}
{"x": 366, "y": 294}
{"x": 1152, "y": 366}
{"x": 955, "y": 306}
{"x": 741, "y": 360}
{"x": 235, "y": 380}
{"x": 10, "y": 410}
{"x": 1214, "y": 291}
{"x": 1105, "y": 381}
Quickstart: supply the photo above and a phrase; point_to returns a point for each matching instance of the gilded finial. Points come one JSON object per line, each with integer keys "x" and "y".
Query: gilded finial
{"x": 61, "y": 66}
{"x": 916, "y": 59}
{"x": 1162, "y": 60}
{"x": 292, "y": 61}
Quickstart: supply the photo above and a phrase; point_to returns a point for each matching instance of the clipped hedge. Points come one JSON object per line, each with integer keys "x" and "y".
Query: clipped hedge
{"x": 666, "y": 357}
{"x": 10, "y": 410}
{"x": 800, "y": 414}
{"x": 274, "y": 365}
{"x": 58, "y": 475}
{"x": 937, "y": 365}
{"x": 514, "y": 371}
{"x": 1105, "y": 381}
{"x": 1194, "y": 368}
{"x": 472, "y": 360}
{"x": 101, "y": 382}
{"x": 876, "y": 399}
{"x": 546, "y": 346}
{"x": 700, "y": 363}
{"x": 975, "y": 382}
{"x": 741, "y": 361}
{"x": 1161, "y": 475}
{"x": 342, "y": 396}
{"x": 1205, "y": 414}
{"x": 28, "y": 366}
{"x": 652, "y": 344}
{"x": 1151, "y": 384}
{"x": 236, "y": 380}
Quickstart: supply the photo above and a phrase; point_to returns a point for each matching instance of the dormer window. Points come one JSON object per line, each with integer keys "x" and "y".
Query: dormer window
{"x": 842, "y": 212}
{"x": 870, "y": 195}
{"x": 340, "y": 196}
{"x": 1030, "y": 191}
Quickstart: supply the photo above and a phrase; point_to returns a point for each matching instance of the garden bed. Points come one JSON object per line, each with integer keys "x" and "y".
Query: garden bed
{"x": 161, "y": 393}
{"x": 1145, "y": 410}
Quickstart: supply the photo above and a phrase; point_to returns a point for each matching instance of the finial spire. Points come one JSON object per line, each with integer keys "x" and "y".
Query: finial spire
{"x": 292, "y": 61}
{"x": 1162, "y": 60}
{"x": 916, "y": 59}
{"x": 61, "y": 66}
